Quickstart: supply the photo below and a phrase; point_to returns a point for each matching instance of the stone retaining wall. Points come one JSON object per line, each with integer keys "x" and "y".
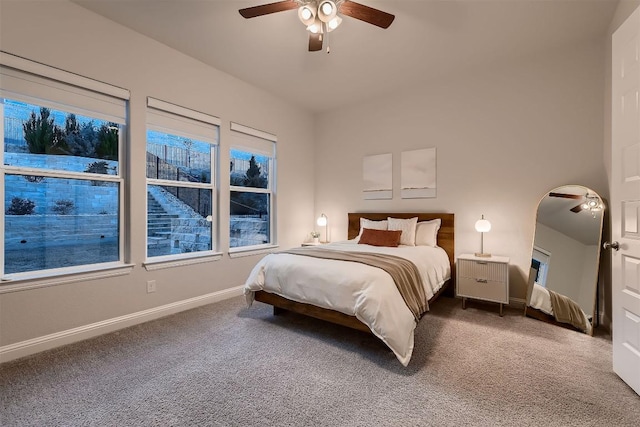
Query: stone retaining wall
{"x": 88, "y": 197}
{"x": 37, "y": 230}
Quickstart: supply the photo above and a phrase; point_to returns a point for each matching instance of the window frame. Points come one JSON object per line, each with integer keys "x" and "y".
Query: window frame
{"x": 83, "y": 92}
{"x": 242, "y": 134}
{"x": 191, "y": 120}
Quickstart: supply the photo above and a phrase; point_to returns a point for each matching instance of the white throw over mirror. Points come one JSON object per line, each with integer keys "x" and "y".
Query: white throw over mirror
{"x": 565, "y": 258}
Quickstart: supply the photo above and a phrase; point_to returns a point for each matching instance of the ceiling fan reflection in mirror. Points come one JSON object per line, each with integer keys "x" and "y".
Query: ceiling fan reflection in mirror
{"x": 591, "y": 202}
{"x": 322, "y": 16}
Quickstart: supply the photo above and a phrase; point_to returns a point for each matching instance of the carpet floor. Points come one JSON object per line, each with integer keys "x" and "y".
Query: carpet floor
{"x": 226, "y": 364}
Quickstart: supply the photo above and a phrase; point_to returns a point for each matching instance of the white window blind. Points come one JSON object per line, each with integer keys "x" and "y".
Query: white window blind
{"x": 253, "y": 140}
{"x": 54, "y": 88}
{"x": 177, "y": 120}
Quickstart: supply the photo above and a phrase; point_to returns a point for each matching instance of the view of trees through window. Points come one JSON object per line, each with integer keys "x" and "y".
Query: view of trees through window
{"x": 66, "y": 217}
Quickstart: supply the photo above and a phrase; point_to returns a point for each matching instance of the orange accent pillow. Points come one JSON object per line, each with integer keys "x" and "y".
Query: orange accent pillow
{"x": 372, "y": 237}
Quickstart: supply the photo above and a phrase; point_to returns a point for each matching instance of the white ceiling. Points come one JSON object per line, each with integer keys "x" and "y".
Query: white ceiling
{"x": 427, "y": 40}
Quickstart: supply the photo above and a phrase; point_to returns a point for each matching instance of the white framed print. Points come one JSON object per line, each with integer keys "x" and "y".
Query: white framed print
{"x": 418, "y": 174}
{"x": 377, "y": 177}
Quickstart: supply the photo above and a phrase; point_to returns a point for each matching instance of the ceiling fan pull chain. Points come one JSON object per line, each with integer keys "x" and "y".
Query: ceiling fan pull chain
{"x": 326, "y": 36}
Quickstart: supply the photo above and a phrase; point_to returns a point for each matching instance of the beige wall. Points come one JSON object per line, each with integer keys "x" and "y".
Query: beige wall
{"x": 504, "y": 136}
{"x": 66, "y": 36}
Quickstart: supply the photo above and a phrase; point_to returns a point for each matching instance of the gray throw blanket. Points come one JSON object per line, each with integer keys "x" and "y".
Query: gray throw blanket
{"x": 405, "y": 274}
{"x": 565, "y": 310}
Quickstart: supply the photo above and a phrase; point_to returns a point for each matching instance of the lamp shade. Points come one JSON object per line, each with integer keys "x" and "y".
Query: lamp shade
{"x": 483, "y": 225}
{"x": 322, "y": 220}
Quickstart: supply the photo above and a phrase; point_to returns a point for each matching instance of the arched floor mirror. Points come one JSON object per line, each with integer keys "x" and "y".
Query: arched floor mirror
{"x": 565, "y": 258}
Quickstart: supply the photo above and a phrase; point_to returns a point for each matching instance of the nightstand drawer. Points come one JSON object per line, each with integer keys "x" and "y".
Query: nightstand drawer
{"x": 483, "y": 289}
{"x": 490, "y": 271}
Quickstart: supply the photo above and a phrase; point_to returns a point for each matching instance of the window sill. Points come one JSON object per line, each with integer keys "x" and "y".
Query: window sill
{"x": 160, "y": 264}
{"x": 250, "y": 251}
{"x": 42, "y": 280}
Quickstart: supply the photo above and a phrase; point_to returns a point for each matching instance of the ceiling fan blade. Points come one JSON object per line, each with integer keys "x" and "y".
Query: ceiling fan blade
{"x": 577, "y": 209}
{"x": 265, "y": 9}
{"x": 565, "y": 196}
{"x": 315, "y": 42}
{"x": 366, "y": 14}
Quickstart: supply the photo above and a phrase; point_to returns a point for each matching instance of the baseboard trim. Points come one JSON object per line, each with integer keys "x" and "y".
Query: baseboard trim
{"x": 47, "y": 342}
{"x": 517, "y": 301}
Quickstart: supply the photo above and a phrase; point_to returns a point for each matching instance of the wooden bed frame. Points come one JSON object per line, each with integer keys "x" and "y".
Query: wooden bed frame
{"x": 445, "y": 241}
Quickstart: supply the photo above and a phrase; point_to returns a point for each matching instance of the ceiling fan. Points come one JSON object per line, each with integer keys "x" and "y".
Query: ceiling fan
{"x": 591, "y": 201}
{"x": 322, "y": 16}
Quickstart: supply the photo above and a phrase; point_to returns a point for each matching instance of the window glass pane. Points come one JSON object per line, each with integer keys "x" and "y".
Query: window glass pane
{"x": 178, "y": 220}
{"x": 44, "y": 138}
{"x": 249, "y": 169}
{"x": 250, "y": 222}
{"x": 58, "y": 222}
{"x": 177, "y": 158}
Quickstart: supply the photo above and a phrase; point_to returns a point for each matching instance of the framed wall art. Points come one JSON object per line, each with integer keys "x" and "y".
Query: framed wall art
{"x": 377, "y": 177}
{"x": 418, "y": 174}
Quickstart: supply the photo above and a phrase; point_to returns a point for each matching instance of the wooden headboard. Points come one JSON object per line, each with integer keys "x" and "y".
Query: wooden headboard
{"x": 445, "y": 235}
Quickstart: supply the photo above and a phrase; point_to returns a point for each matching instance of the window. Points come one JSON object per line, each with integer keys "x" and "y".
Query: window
{"x": 252, "y": 188}
{"x": 181, "y": 158}
{"x": 541, "y": 259}
{"x": 60, "y": 172}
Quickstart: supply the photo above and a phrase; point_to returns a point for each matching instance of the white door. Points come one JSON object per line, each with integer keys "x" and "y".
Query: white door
{"x": 625, "y": 200}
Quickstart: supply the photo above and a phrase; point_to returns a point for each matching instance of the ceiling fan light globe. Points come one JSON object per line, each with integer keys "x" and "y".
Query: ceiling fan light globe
{"x": 334, "y": 23}
{"x": 327, "y": 10}
{"x": 306, "y": 15}
{"x": 315, "y": 28}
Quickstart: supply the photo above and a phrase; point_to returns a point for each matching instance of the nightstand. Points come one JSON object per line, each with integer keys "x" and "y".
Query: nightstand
{"x": 483, "y": 278}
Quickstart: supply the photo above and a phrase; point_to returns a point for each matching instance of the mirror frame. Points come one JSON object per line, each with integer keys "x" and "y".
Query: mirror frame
{"x": 537, "y": 314}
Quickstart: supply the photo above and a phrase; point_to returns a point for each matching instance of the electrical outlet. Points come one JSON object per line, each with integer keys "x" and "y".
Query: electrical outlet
{"x": 151, "y": 286}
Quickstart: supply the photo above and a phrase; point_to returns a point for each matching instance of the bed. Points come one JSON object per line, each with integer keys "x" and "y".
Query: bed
{"x": 541, "y": 306}
{"x": 359, "y": 295}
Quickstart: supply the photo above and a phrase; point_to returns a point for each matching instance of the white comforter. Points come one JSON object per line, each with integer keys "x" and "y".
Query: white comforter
{"x": 355, "y": 289}
{"x": 541, "y": 300}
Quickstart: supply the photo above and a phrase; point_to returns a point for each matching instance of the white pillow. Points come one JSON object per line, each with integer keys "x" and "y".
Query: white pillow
{"x": 408, "y": 227}
{"x": 373, "y": 225}
{"x": 427, "y": 233}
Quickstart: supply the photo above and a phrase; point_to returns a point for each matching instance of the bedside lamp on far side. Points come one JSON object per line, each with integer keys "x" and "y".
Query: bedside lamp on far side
{"x": 322, "y": 222}
{"x": 482, "y": 226}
